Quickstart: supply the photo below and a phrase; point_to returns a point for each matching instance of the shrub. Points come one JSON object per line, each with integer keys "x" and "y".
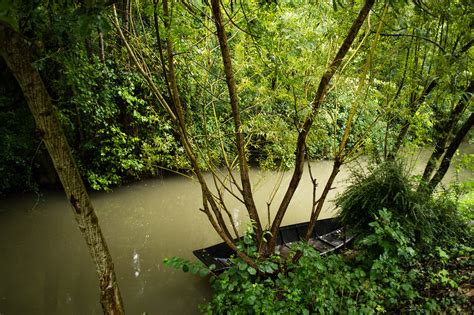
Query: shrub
{"x": 387, "y": 186}
{"x": 429, "y": 219}
{"x": 386, "y": 274}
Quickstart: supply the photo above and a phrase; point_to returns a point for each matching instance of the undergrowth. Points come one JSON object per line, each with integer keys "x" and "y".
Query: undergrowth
{"x": 413, "y": 255}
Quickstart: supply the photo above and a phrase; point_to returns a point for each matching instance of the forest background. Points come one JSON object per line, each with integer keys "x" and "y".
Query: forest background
{"x": 419, "y": 72}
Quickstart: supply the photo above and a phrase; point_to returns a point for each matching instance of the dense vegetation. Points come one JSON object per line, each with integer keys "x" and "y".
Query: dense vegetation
{"x": 386, "y": 272}
{"x": 196, "y": 86}
{"x": 418, "y": 72}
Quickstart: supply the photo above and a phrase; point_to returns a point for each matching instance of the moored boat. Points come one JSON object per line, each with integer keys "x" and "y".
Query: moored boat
{"x": 328, "y": 235}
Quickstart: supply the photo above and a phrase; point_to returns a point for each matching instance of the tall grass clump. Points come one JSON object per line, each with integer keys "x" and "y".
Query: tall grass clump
{"x": 387, "y": 186}
{"x": 427, "y": 218}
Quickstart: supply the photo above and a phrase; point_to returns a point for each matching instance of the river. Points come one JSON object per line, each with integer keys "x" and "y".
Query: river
{"x": 45, "y": 267}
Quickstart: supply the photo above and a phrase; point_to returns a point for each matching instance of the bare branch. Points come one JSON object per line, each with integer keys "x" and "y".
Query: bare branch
{"x": 415, "y": 36}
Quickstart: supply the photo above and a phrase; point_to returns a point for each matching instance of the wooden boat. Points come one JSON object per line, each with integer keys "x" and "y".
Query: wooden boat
{"x": 328, "y": 235}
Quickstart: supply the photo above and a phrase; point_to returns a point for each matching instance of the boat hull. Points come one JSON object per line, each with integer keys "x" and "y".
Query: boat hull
{"x": 328, "y": 235}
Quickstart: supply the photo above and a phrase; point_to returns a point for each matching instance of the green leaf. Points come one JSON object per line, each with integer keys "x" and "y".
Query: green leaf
{"x": 242, "y": 265}
{"x": 195, "y": 269}
{"x": 8, "y": 13}
{"x": 204, "y": 272}
{"x": 185, "y": 268}
{"x": 251, "y": 270}
{"x": 251, "y": 299}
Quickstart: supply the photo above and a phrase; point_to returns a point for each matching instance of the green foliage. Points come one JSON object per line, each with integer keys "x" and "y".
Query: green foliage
{"x": 112, "y": 122}
{"x": 388, "y": 236}
{"x": 464, "y": 192}
{"x": 386, "y": 186}
{"x": 120, "y": 133}
{"x": 19, "y": 144}
{"x": 386, "y": 272}
{"x": 397, "y": 265}
{"x": 389, "y": 186}
{"x": 187, "y": 266}
{"x": 279, "y": 52}
{"x": 466, "y": 205}
{"x": 7, "y": 12}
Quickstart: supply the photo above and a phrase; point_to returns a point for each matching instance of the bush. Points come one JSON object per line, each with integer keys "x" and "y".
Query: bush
{"x": 430, "y": 220}
{"x": 384, "y": 273}
{"x": 387, "y": 186}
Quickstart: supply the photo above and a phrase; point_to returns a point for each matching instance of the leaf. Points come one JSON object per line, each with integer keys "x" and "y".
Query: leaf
{"x": 242, "y": 265}
{"x": 185, "y": 268}
{"x": 195, "y": 269}
{"x": 204, "y": 272}
{"x": 251, "y": 270}
{"x": 8, "y": 13}
{"x": 251, "y": 299}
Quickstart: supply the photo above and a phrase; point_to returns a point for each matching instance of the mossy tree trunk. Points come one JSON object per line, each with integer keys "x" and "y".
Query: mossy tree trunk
{"x": 18, "y": 55}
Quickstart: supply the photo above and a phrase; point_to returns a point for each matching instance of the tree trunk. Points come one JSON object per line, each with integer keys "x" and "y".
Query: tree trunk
{"x": 89, "y": 50}
{"x": 239, "y": 138}
{"x": 315, "y": 104}
{"x": 445, "y": 129}
{"x": 16, "y": 52}
{"x": 210, "y": 207}
{"x": 101, "y": 47}
{"x": 443, "y": 167}
{"x": 314, "y": 216}
{"x": 415, "y": 103}
{"x": 126, "y": 5}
